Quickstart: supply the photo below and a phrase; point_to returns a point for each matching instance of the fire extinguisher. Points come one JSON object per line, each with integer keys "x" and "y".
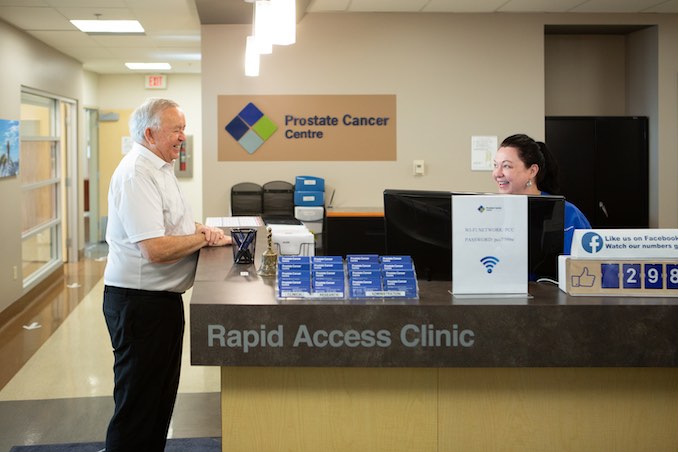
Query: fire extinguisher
{"x": 182, "y": 157}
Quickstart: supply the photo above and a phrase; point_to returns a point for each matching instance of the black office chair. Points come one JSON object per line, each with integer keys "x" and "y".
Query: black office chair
{"x": 247, "y": 199}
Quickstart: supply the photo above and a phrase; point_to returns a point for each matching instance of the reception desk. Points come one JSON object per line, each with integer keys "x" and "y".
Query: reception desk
{"x": 545, "y": 371}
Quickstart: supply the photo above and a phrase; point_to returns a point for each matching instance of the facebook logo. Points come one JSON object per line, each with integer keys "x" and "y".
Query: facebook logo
{"x": 592, "y": 242}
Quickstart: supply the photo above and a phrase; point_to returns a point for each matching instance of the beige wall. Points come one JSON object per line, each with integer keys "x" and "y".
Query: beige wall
{"x": 454, "y": 76}
{"x": 122, "y": 93}
{"x": 591, "y": 69}
{"x": 30, "y": 63}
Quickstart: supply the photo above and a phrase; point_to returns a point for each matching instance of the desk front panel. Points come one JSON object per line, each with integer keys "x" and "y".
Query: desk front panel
{"x": 237, "y": 321}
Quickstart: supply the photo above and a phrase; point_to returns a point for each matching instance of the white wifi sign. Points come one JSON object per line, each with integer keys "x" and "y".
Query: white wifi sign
{"x": 489, "y": 262}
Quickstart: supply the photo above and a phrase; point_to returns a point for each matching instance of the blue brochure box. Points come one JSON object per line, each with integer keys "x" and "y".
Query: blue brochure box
{"x": 309, "y": 198}
{"x": 309, "y": 183}
{"x": 323, "y": 266}
{"x": 375, "y": 266}
{"x": 365, "y": 274}
{"x": 407, "y": 286}
{"x": 294, "y": 285}
{"x": 362, "y": 258}
{"x": 328, "y": 259}
{"x": 294, "y": 263}
{"x": 329, "y": 285}
{"x": 390, "y": 274}
{"x": 398, "y": 266}
{"x": 294, "y": 274}
{"x": 395, "y": 259}
{"x": 328, "y": 274}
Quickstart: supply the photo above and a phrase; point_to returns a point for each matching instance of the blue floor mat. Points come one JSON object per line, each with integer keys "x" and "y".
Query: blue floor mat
{"x": 173, "y": 445}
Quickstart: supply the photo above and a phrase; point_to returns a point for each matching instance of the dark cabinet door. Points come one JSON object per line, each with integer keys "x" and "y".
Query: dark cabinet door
{"x": 622, "y": 172}
{"x": 603, "y": 167}
{"x": 572, "y": 141}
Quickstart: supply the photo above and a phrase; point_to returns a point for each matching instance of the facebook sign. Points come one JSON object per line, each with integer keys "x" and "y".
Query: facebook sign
{"x": 592, "y": 242}
{"x": 625, "y": 243}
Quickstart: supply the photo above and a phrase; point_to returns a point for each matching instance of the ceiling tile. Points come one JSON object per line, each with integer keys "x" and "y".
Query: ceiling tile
{"x": 35, "y": 18}
{"x": 91, "y": 13}
{"x": 539, "y": 6}
{"x": 319, "y": 6}
{"x": 617, "y": 6}
{"x": 71, "y": 39}
{"x": 462, "y": 6}
{"x": 88, "y": 3}
{"x": 387, "y": 5}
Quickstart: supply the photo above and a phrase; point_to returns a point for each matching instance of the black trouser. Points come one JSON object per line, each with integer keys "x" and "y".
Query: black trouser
{"x": 146, "y": 329}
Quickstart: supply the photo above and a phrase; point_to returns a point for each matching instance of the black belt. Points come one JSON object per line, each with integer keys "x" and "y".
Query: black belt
{"x": 128, "y": 291}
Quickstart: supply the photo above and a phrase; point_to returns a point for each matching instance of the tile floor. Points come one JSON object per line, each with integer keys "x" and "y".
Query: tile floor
{"x": 62, "y": 389}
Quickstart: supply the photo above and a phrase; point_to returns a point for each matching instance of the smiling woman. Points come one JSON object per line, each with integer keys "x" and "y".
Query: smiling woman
{"x": 523, "y": 166}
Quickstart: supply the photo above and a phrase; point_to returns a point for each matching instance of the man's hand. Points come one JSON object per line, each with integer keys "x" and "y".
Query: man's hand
{"x": 213, "y": 236}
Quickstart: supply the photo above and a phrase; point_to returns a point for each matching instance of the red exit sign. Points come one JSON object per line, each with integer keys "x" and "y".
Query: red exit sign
{"x": 156, "y": 82}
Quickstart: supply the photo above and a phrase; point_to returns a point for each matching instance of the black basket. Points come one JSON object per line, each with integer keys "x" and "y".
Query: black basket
{"x": 278, "y": 198}
{"x": 247, "y": 199}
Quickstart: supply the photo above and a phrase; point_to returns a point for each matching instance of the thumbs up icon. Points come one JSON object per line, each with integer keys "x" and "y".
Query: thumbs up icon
{"x": 583, "y": 280}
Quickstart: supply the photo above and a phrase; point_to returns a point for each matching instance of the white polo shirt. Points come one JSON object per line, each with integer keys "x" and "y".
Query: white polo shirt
{"x": 144, "y": 202}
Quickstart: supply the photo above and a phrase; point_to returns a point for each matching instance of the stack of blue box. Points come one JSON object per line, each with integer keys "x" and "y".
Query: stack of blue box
{"x": 371, "y": 275}
{"x": 309, "y": 201}
{"x": 309, "y": 191}
{"x": 311, "y": 277}
{"x": 325, "y": 277}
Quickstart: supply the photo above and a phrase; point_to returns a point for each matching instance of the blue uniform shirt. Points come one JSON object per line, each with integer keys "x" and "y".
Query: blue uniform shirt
{"x": 574, "y": 219}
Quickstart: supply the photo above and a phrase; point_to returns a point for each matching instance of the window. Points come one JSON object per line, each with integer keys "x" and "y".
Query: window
{"x": 41, "y": 185}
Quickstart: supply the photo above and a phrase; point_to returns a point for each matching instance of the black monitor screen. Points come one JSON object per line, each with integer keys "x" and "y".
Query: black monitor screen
{"x": 418, "y": 223}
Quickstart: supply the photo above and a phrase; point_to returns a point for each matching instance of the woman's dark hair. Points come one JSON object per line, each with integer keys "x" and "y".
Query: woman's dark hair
{"x": 535, "y": 152}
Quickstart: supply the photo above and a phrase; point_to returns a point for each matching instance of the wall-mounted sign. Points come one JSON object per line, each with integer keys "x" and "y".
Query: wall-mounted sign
{"x": 483, "y": 150}
{"x": 158, "y": 81}
{"x": 307, "y": 127}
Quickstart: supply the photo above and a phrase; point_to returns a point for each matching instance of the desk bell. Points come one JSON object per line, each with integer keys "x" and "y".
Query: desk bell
{"x": 269, "y": 258}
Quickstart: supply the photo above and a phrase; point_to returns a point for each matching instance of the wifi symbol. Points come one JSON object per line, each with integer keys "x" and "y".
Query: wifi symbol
{"x": 489, "y": 262}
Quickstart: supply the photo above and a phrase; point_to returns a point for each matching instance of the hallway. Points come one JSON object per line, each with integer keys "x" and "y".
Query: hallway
{"x": 56, "y": 378}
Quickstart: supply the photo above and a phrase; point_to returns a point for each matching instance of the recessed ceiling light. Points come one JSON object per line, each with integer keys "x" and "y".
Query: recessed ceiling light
{"x": 148, "y": 66}
{"x": 108, "y": 26}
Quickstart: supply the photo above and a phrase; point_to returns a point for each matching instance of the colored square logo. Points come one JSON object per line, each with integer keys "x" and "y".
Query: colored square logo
{"x": 237, "y": 128}
{"x": 251, "y": 142}
{"x": 251, "y": 128}
{"x": 250, "y": 114}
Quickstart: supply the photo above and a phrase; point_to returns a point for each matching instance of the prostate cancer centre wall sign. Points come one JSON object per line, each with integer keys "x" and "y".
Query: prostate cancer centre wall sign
{"x": 307, "y": 127}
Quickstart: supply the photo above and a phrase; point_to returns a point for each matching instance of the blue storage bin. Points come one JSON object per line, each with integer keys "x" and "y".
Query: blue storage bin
{"x": 309, "y": 198}
{"x": 309, "y": 183}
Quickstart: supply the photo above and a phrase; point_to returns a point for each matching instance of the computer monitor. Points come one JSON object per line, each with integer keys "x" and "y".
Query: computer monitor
{"x": 418, "y": 223}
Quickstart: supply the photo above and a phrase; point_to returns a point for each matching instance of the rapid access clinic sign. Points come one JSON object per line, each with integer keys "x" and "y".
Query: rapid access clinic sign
{"x": 307, "y": 128}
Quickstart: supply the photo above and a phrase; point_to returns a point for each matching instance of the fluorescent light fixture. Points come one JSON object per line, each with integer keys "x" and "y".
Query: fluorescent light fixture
{"x": 148, "y": 66}
{"x": 284, "y": 26}
{"x": 263, "y": 27}
{"x": 251, "y": 58}
{"x": 108, "y": 26}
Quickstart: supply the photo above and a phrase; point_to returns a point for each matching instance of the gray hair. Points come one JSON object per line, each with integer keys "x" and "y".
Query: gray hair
{"x": 147, "y": 115}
